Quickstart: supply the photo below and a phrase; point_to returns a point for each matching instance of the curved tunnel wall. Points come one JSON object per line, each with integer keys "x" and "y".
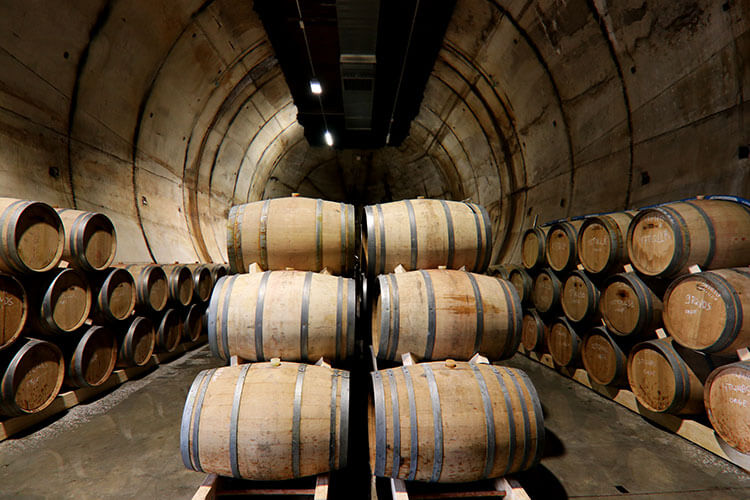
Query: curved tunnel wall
{"x": 163, "y": 114}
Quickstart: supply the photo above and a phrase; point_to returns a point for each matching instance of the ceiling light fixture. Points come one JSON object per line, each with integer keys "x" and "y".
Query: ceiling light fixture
{"x": 315, "y": 86}
{"x": 328, "y": 137}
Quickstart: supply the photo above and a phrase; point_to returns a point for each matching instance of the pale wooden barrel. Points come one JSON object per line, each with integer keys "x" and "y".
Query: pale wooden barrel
{"x": 564, "y": 343}
{"x": 727, "y": 399}
{"x": 438, "y": 314}
{"x": 152, "y": 287}
{"x": 604, "y": 360}
{"x": 533, "y": 331}
{"x": 533, "y": 253}
{"x": 560, "y": 246}
{"x": 662, "y": 380}
{"x": 267, "y": 421}
{"x": 90, "y": 239}
{"x": 301, "y": 233}
{"x": 61, "y": 302}
{"x": 33, "y": 372}
{"x": 115, "y": 295}
{"x": 628, "y": 306}
{"x": 706, "y": 311}
{"x": 169, "y": 330}
{"x": 90, "y": 358}
{"x": 32, "y": 236}
{"x": 180, "y": 284}
{"x": 137, "y": 342}
{"x": 668, "y": 239}
{"x": 453, "y": 421}
{"x": 546, "y": 292}
{"x": 426, "y": 234}
{"x": 579, "y": 297}
{"x": 203, "y": 282}
{"x": 292, "y": 315}
{"x": 602, "y": 242}
{"x": 522, "y": 282}
{"x": 193, "y": 323}
{"x": 14, "y": 309}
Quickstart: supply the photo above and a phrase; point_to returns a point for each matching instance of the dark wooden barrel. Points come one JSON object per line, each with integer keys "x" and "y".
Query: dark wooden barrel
{"x": 180, "y": 284}
{"x": 14, "y": 309}
{"x": 193, "y": 323}
{"x": 522, "y": 282}
{"x": 61, "y": 302}
{"x": 115, "y": 295}
{"x": 546, "y": 292}
{"x": 267, "y": 421}
{"x": 137, "y": 342}
{"x": 450, "y": 421}
{"x": 534, "y": 331}
{"x": 90, "y": 239}
{"x": 560, "y": 245}
{"x": 32, "y": 374}
{"x": 217, "y": 271}
{"x": 564, "y": 343}
{"x": 579, "y": 297}
{"x": 727, "y": 399}
{"x": 203, "y": 282}
{"x": 91, "y": 358}
{"x": 152, "y": 287}
{"x": 32, "y": 237}
{"x": 604, "y": 359}
{"x": 602, "y": 247}
{"x": 169, "y": 331}
{"x": 533, "y": 253}
{"x": 499, "y": 271}
{"x": 628, "y": 306}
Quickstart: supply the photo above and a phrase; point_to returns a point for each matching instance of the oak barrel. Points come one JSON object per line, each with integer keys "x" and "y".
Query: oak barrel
{"x": 115, "y": 295}
{"x": 91, "y": 357}
{"x": 533, "y": 253}
{"x": 301, "y": 233}
{"x": 137, "y": 341}
{"x": 727, "y": 399}
{"x": 32, "y": 236}
{"x": 668, "y": 239}
{"x": 522, "y": 282}
{"x": 564, "y": 343}
{"x": 193, "y": 323}
{"x": 217, "y": 271}
{"x": 662, "y": 380}
{"x": 579, "y": 297}
{"x": 453, "y": 422}
{"x": 426, "y": 234}
{"x": 267, "y": 421}
{"x": 292, "y": 315}
{"x": 533, "y": 331}
{"x": 438, "y": 314}
{"x": 499, "y": 271}
{"x": 61, "y": 302}
{"x": 560, "y": 245}
{"x": 32, "y": 374}
{"x": 546, "y": 292}
{"x": 169, "y": 330}
{"x": 602, "y": 242}
{"x": 151, "y": 285}
{"x": 90, "y": 239}
{"x": 180, "y": 284}
{"x": 706, "y": 311}
{"x": 603, "y": 358}
{"x": 14, "y": 309}
{"x": 628, "y": 306}
{"x": 203, "y": 282}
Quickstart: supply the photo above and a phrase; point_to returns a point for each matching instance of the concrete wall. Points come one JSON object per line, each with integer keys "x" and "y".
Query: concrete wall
{"x": 163, "y": 114}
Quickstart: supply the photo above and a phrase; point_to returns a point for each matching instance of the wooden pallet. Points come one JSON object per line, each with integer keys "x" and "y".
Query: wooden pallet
{"x": 215, "y": 486}
{"x": 509, "y": 489}
{"x": 685, "y": 427}
{"x": 69, "y": 399}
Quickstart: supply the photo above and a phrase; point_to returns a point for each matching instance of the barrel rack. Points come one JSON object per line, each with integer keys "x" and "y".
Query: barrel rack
{"x": 688, "y": 428}
{"x": 66, "y": 400}
{"x": 215, "y": 487}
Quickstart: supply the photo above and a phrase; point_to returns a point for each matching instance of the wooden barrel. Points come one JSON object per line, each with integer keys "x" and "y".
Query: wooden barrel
{"x": 628, "y": 306}
{"x": 603, "y": 358}
{"x": 706, "y": 311}
{"x": 267, "y": 421}
{"x": 203, "y": 282}
{"x": 560, "y": 245}
{"x": 727, "y": 399}
{"x": 579, "y": 297}
{"x": 90, "y": 239}
{"x": 546, "y": 292}
{"x": 440, "y": 314}
{"x": 438, "y": 233}
{"x": 61, "y": 302}
{"x": 661, "y": 379}
{"x": 169, "y": 331}
{"x": 499, "y": 271}
{"x": 137, "y": 342}
{"x": 301, "y": 233}
{"x": 564, "y": 343}
{"x": 533, "y": 252}
{"x": 666, "y": 240}
{"x": 450, "y": 421}
{"x": 151, "y": 285}
{"x": 13, "y": 309}
{"x": 90, "y": 358}
{"x": 522, "y": 282}
{"x": 292, "y": 315}
{"x": 32, "y": 374}
{"x": 32, "y": 236}
{"x": 217, "y": 271}
{"x": 115, "y": 295}
{"x": 534, "y": 331}
{"x": 180, "y": 284}
{"x": 601, "y": 243}
{"x": 193, "y": 323}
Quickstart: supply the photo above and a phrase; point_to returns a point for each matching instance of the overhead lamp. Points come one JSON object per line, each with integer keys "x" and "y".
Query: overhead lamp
{"x": 328, "y": 137}
{"x": 315, "y": 86}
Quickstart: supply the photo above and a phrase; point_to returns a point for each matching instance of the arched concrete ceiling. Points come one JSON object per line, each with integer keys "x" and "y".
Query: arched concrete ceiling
{"x": 163, "y": 114}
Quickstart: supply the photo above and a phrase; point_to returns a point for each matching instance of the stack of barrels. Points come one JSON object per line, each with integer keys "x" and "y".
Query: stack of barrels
{"x": 67, "y": 313}
{"x": 679, "y": 266}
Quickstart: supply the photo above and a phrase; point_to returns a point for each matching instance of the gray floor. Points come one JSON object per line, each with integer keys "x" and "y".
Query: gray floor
{"x": 126, "y": 445}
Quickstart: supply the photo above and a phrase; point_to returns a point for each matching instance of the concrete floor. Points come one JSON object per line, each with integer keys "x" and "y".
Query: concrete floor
{"x": 126, "y": 445}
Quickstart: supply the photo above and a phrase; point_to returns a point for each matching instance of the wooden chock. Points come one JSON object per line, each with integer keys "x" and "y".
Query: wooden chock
{"x": 695, "y": 268}
{"x": 450, "y": 363}
{"x": 660, "y": 333}
{"x": 408, "y": 359}
{"x": 321, "y": 486}
{"x": 322, "y": 362}
{"x": 478, "y": 359}
{"x": 399, "y": 269}
{"x": 295, "y": 195}
{"x": 236, "y": 361}
{"x": 275, "y": 361}
{"x": 628, "y": 268}
{"x": 373, "y": 358}
{"x": 536, "y": 221}
{"x": 398, "y": 489}
{"x": 580, "y": 267}
{"x": 462, "y": 268}
{"x": 442, "y": 267}
{"x": 325, "y": 271}
{"x": 743, "y": 354}
{"x": 254, "y": 268}
{"x": 289, "y": 269}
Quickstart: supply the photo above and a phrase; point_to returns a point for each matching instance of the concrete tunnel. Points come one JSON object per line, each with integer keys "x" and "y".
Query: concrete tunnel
{"x": 164, "y": 114}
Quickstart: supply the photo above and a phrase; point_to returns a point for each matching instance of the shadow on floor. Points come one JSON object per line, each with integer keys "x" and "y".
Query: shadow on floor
{"x": 539, "y": 482}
